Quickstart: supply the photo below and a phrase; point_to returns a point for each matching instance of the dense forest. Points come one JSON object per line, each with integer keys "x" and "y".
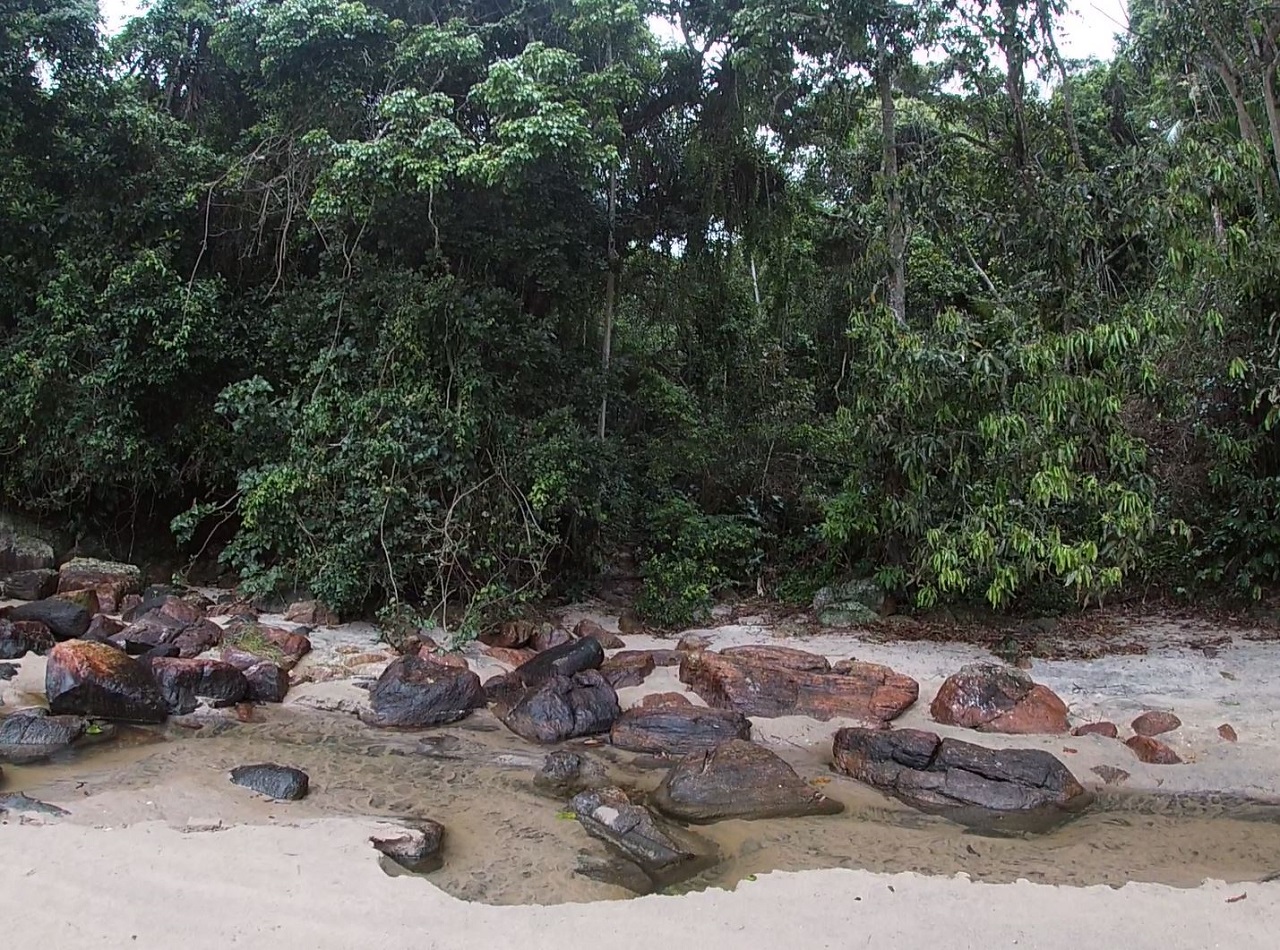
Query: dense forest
{"x": 454, "y": 304}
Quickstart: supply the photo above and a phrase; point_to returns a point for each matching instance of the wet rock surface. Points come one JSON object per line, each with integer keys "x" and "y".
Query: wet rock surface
{"x": 562, "y": 707}
{"x": 264, "y": 642}
{"x": 990, "y": 697}
{"x": 567, "y": 773}
{"x": 665, "y": 854}
{"x": 415, "y": 692}
{"x": 677, "y": 729}
{"x": 267, "y": 683}
{"x": 419, "y": 848}
{"x": 65, "y": 620}
{"x": 627, "y": 669}
{"x": 184, "y": 682}
{"x": 738, "y": 779}
{"x": 867, "y": 691}
{"x": 788, "y": 658}
{"x": 567, "y": 659}
{"x": 20, "y": 637}
{"x": 272, "y": 781}
{"x": 93, "y": 679}
{"x": 32, "y": 734}
{"x": 924, "y": 769}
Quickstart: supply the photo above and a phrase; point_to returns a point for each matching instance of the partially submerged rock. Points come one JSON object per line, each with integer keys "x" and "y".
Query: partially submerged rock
{"x": 563, "y": 707}
{"x": 1106, "y": 729}
{"x": 990, "y": 697}
{"x": 109, "y": 580}
{"x": 65, "y": 620}
{"x": 414, "y": 692}
{"x": 926, "y": 770}
{"x": 184, "y": 682}
{"x": 32, "y": 734}
{"x": 738, "y": 779}
{"x": 1155, "y": 723}
{"x": 93, "y": 679}
{"x": 665, "y": 854}
{"x": 418, "y": 848}
{"x": 868, "y": 691}
{"x": 677, "y": 729}
{"x": 272, "y": 781}
{"x": 567, "y": 773}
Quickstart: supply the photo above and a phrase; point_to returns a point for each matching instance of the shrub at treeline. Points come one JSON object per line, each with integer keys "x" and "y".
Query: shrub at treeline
{"x": 446, "y": 304}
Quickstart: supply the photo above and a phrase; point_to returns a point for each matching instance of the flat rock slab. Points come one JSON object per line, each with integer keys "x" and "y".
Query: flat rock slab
{"x": 990, "y": 697}
{"x": 563, "y": 707}
{"x": 93, "y": 679}
{"x": 665, "y": 854}
{"x": 415, "y": 692}
{"x": 273, "y": 781}
{"x": 738, "y": 779}
{"x": 786, "y": 657}
{"x": 868, "y": 691}
{"x": 32, "y": 735}
{"x": 926, "y": 770}
{"x": 677, "y": 728}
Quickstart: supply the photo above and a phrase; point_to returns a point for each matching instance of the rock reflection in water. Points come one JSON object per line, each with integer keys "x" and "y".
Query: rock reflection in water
{"x": 509, "y": 841}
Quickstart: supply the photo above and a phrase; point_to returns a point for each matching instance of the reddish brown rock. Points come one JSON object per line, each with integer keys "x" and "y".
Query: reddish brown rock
{"x": 868, "y": 691}
{"x": 111, "y": 582}
{"x": 282, "y": 647}
{"x": 512, "y": 634}
{"x": 659, "y": 700}
{"x": 692, "y": 643}
{"x": 443, "y": 658}
{"x": 1155, "y": 723}
{"x": 198, "y": 637}
{"x": 129, "y": 603}
{"x": 677, "y": 729}
{"x": 1152, "y": 751}
{"x": 312, "y": 613}
{"x": 103, "y": 627}
{"x": 629, "y": 624}
{"x": 512, "y": 657}
{"x": 1227, "y": 732}
{"x": 267, "y": 683}
{"x": 1104, "y": 728}
{"x": 927, "y": 770}
{"x": 788, "y": 658}
{"x": 234, "y": 608}
{"x": 608, "y": 639}
{"x": 86, "y": 600}
{"x": 994, "y": 698}
{"x": 628, "y": 668}
{"x": 94, "y": 679}
{"x": 548, "y": 638}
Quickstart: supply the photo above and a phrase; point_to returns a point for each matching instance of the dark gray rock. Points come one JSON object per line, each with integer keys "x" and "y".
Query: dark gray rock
{"x": 415, "y": 692}
{"x": 267, "y": 683}
{"x": 18, "y": 638}
{"x": 273, "y": 781}
{"x": 64, "y": 619}
{"x": 96, "y": 680}
{"x": 738, "y": 779}
{"x": 563, "y": 707}
{"x": 567, "y": 773}
{"x": 925, "y": 770}
{"x": 184, "y": 682}
{"x": 664, "y": 853}
{"x": 677, "y": 730}
{"x": 16, "y": 803}
{"x": 32, "y": 735}
{"x": 564, "y": 660}
{"x": 30, "y": 585}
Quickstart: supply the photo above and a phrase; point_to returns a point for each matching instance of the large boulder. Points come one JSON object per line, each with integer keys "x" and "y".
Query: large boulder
{"x": 664, "y": 853}
{"x": 738, "y": 779}
{"x": 30, "y": 585}
{"x": 20, "y": 552}
{"x": 414, "y": 692}
{"x": 65, "y": 620}
{"x": 183, "y": 682}
{"x": 281, "y": 647}
{"x": 866, "y": 691}
{"x": 854, "y": 602}
{"x": 111, "y": 581}
{"x": 169, "y": 605}
{"x": 20, "y": 637}
{"x": 94, "y": 679}
{"x": 991, "y": 697}
{"x": 677, "y": 728}
{"x": 926, "y": 770}
{"x": 562, "y": 707}
{"x": 267, "y": 683}
{"x": 280, "y": 782}
{"x": 564, "y": 660}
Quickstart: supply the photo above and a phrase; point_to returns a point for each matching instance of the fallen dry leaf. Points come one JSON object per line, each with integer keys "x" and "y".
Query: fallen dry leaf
{"x": 1227, "y": 732}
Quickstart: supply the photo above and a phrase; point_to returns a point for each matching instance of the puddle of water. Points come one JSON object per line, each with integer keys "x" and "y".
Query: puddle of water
{"x": 508, "y": 843}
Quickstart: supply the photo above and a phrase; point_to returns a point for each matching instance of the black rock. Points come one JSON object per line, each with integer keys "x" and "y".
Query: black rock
{"x": 677, "y": 730}
{"x": 164, "y": 651}
{"x": 183, "y": 682}
{"x": 93, "y": 679}
{"x": 567, "y": 773}
{"x": 565, "y": 660}
{"x": 64, "y": 619}
{"x": 267, "y": 683}
{"x": 273, "y": 781}
{"x": 666, "y": 854}
{"x": 414, "y": 692}
{"x": 7, "y": 671}
{"x": 738, "y": 779}
{"x": 416, "y": 848}
{"x": 563, "y": 708}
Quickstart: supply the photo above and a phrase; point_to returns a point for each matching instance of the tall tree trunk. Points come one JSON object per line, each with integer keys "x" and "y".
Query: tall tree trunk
{"x": 1068, "y": 97}
{"x": 1015, "y": 58}
{"x": 610, "y": 288}
{"x": 1248, "y": 128}
{"x": 895, "y": 226}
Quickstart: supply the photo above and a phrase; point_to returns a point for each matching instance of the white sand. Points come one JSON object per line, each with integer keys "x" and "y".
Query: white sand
{"x": 319, "y": 886}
